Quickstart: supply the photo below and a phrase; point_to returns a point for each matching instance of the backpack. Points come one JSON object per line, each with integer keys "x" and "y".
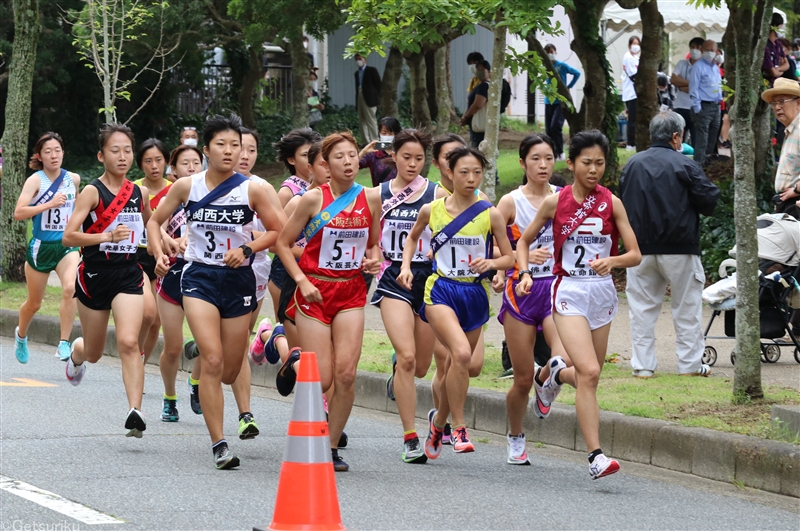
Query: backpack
{"x": 505, "y": 96}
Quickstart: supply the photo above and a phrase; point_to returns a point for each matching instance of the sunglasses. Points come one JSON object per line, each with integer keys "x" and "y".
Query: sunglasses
{"x": 190, "y": 128}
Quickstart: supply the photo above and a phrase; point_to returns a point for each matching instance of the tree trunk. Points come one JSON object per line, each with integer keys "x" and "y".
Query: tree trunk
{"x": 15, "y": 137}
{"x": 490, "y": 148}
{"x": 454, "y": 118}
{"x": 392, "y": 73}
{"x": 420, "y": 112}
{"x": 574, "y": 119}
{"x": 764, "y": 168}
{"x": 250, "y": 81}
{"x": 300, "y": 71}
{"x": 646, "y": 78}
{"x": 796, "y": 25}
{"x": 443, "y": 102}
{"x": 749, "y": 25}
{"x": 430, "y": 79}
{"x": 601, "y": 103}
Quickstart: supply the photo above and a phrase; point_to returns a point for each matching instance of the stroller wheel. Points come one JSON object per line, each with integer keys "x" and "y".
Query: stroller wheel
{"x": 709, "y": 355}
{"x": 763, "y": 353}
{"x": 733, "y": 357}
{"x": 797, "y": 355}
{"x": 772, "y": 353}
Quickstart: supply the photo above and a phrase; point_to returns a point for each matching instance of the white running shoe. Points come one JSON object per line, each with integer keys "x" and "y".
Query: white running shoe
{"x": 550, "y": 389}
{"x": 517, "y": 452}
{"x": 540, "y": 407}
{"x": 135, "y": 423}
{"x": 603, "y": 466}
{"x": 74, "y": 372}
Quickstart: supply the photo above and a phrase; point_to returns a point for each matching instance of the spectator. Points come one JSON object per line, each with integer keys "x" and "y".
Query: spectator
{"x": 473, "y": 59}
{"x": 368, "y": 96}
{"x": 783, "y": 98}
{"x": 796, "y": 49}
{"x": 553, "y": 112}
{"x": 309, "y": 54}
{"x": 630, "y": 66}
{"x": 665, "y": 96}
{"x": 664, "y": 194}
{"x": 680, "y": 78}
{"x": 315, "y": 106}
{"x": 775, "y": 63}
{"x": 705, "y": 90}
{"x": 374, "y": 159}
{"x": 476, "y": 105}
{"x": 791, "y": 72}
{"x": 189, "y": 136}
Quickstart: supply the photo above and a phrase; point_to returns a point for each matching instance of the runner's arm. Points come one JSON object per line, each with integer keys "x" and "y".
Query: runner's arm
{"x": 23, "y": 210}
{"x": 290, "y": 208}
{"x": 263, "y": 207}
{"x": 309, "y": 206}
{"x": 546, "y": 212}
{"x": 506, "y": 259}
{"x": 632, "y": 256}
{"x": 177, "y": 195}
{"x": 406, "y": 277}
{"x": 374, "y": 256}
{"x": 147, "y": 212}
{"x": 73, "y": 235}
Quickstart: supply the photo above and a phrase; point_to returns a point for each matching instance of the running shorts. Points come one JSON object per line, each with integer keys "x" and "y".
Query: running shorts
{"x": 389, "y": 287}
{"x": 469, "y": 300}
{"x": 97, "y": 287}
{"x": 286, "y": 298}
{"x": 169, "y": 286}
{"x": 338, "y": 295}
{"x": 261, "y": 270}
{"x": 44, "y": 256}
{"x": 232, "y": 291}
{"x": 277, "y": 273}
{"x": 147, "y": 261}
{"x": 532, "y": 309}
{"x": 596, "y": 300}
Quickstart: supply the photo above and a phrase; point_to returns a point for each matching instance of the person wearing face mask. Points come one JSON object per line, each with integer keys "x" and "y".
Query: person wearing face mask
{"x": 630, "y": 66}
{"x": 374, "y": 158}
{"x": 680, "y": 79}
{"x": 774, "y": 64}
{"x": 664, "y": 193}
{"x": 473, "y": 58}
{"x": 705, "y": 90}
{"x": 188, "y": 137}
{"x": 368, "y": 97}
{"x": 476, "y": 103}
{"x": 553, "y": 115}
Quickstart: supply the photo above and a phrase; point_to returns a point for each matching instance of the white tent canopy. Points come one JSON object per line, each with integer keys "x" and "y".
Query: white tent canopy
{"x": 678, "y": 15}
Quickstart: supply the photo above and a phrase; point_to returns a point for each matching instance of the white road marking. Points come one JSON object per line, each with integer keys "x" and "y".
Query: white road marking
{"x": 56, "y": 503}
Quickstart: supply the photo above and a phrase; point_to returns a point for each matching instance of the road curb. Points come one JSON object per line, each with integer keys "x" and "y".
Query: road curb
{"x": 750, "y": 461}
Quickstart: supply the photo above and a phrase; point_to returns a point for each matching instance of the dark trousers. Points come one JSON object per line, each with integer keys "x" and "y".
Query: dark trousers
{"x": 630, "y": 130}
{"x": 689, "y": 130}
{"x": 475, "y": 138}
{"x": 554, "y": 125}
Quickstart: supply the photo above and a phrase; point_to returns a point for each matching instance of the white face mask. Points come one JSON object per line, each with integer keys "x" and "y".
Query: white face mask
{"x": 360, "y": 63}
{"x": 635, "y": 48}
{"x": 719, "y": 59}
{"x": 190, "y": 142}
{"x": 695, "y": 54}
{"x": 709, "y": 56}
{"x": 472, "y": 69}
{"x": 552, "y": 56}
{"x": 386, "y": 138}
{"x": 305, "y": 45}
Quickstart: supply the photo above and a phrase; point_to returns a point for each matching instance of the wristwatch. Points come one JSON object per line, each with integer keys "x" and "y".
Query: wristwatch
{"x": 522, "y": 271}
{"x": 248, "y": 251}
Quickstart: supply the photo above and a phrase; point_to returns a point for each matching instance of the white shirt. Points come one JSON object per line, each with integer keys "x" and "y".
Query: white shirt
{"x": 630, "y": 65}
{"x": 682, "y": 99}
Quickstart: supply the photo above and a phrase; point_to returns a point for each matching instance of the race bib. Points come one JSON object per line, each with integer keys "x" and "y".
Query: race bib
{"x": 393, "y": 241}
{"x": 454, "y": 257}
{"x": 216, "y": 239}
{"x": 55, "y": 219}
{"x": 545, "y": 269}
{"x": 343, "y": 249}
{"x": 132, "y": 220}
{"x": 584, "y": 245}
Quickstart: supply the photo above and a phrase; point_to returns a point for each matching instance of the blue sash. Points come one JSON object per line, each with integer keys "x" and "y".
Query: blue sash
{"x": 221, "y": 190}
{"x": 54, "y": 186}
{"x": 331, "y": 211}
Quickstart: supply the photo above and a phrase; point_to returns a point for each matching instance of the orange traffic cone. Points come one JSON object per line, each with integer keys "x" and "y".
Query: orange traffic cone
{"x": 307, "y": 498}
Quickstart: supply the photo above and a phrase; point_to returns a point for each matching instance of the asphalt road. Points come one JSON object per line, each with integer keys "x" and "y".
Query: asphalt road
{"x": 70, "y": 442}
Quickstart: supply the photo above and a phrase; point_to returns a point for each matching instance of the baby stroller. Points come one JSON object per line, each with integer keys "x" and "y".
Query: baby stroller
{"x": 779, "y": 291}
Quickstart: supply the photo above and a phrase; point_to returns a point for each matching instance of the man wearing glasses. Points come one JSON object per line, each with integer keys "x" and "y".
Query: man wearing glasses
{"x": 783, "y": 98}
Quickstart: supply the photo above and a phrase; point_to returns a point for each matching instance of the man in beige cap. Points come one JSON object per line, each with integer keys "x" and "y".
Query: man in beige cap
{"x": 784, "y": 98}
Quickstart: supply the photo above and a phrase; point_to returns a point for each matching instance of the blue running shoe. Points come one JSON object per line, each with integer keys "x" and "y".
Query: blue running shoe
{"x": 270, "y": 348}
{"x": 22, "y": 347}
{"x": 63, "y": 350}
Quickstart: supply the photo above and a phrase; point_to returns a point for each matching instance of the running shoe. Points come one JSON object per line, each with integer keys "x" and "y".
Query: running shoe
{"x": 286, "y": 377}
{"x": 194, "y": 397}
{"x": 603, "y": 466}
{"x": 338, "y": 461}
{"x": 447, "y": 434}
{"x": 190, "y": 350}
{"x": 433, "y": 443}
{"x": 413, "y": 452}
{"x": 75, "y": 372}
{"x": 540, "y": 407}
{"x": 257, "y": 345}
{"x": 704, "y": 370}
{"x": 343, "y": 440}
{"x": 63, "y": 350}
{"x": 550, "y": 389}
{"x": 461, "y": 442}
{"x": 170, "y": 411}
{"x": 248, "y": 429}
{"x": 506, "y": 374}
{"x": 517, "y": 453}
{"x": 270, "y": 348}
{"x": 224, "y": 459}
{"x": 135, "y": 423}
{"x": 22, "y": 347}
{"x": 390, "y": 379}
